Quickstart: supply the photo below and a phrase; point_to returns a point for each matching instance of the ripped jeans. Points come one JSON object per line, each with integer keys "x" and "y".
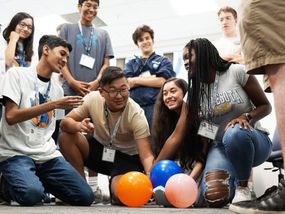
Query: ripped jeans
{"x": 218, "y": 182}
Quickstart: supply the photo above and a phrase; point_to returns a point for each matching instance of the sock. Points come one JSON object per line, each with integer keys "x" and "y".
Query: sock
{"x": 93, "y": 182}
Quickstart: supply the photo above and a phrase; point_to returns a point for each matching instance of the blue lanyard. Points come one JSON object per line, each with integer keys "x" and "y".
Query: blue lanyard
{"x": 87, "y": 47}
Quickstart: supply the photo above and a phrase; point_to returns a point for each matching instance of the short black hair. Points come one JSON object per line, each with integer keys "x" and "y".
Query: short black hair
{"x": 110, "y": 74}
{"x": 52, "y": 41}
{"x": 82, "y": 1}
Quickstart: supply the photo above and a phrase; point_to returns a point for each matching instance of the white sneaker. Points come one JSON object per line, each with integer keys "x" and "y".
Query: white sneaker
{"x": 100, "y": 197}
{"x": 242, "y": 194}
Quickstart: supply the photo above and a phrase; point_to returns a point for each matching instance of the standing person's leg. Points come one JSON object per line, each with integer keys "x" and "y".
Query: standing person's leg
{"x": 263, "y": 45}
{"x": 276, "y": 76}
{"x": 217, "y": 186}
{"x": 19, "y": 181}
{"x": 64, "y": 182}
{"x": 245, "y": 149}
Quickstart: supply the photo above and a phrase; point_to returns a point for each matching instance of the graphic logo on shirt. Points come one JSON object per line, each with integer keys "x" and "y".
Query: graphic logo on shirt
{"x": 44, "y": 119}
{"x": 80, "y": 40}
{"x": 225, "y": 100}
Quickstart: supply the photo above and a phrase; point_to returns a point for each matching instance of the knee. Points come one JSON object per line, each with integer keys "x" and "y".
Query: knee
{"x": 235, "y": 134}
{"x": 217, "y": 192}
{"x": 32, "y": 195}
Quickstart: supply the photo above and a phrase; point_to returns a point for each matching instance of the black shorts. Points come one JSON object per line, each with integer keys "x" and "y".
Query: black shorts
{"x": 123, "y": 163}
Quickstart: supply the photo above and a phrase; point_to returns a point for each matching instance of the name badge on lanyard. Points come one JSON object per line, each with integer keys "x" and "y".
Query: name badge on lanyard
{"x": 208, "y": 130}
{"x": 86, "y": 60}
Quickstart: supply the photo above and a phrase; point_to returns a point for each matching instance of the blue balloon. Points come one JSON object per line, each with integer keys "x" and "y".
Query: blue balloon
{"x": 162, "y": 171}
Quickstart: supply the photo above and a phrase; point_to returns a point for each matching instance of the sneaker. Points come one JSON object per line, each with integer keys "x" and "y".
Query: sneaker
{"x": 242, "y": 194}
{"x": 273, "y": 202}
{"x": 100, "y": 197}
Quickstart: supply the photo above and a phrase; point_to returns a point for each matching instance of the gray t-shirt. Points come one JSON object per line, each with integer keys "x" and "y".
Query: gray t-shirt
{"x": 101, "y": 47}
{"x": 231, "y": 99}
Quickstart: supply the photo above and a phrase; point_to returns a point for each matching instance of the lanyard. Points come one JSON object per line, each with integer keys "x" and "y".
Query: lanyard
{"x": 37, "y": 96}
{"x": 112, "y": 134}
{"x": 87, "y": 47}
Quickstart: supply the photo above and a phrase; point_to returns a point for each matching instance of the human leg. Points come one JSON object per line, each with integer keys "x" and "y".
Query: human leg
{"x": 276, "y": 76}
{"x": 245, "y": 149}
{"x": 20, "y": 182}
{"x": 64, "y": 182}
{"x": 218, "y": 180}
{"x": 75, "y": 149}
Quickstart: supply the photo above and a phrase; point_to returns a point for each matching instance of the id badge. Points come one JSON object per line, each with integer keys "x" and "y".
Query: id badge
{"x": 36, "y": 136}
{"x": 208, "y": 130}
{"x": 108, "y": 155}
{"x": 87, "y": 61}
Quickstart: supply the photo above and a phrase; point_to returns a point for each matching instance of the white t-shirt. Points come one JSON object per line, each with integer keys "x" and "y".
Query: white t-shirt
{"x": 20, "y": 86}
{"x": 226, "y": 46}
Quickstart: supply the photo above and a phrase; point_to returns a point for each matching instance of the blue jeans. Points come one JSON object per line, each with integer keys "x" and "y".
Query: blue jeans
{"x": 25, "y": 182}
{"x": 217, "y": 185}
{"x": 246, "y": 149}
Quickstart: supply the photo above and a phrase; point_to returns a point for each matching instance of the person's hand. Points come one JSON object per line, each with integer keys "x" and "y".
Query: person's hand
{"x": 94, "y": 85}
{"x": 132, "y": 81}
{"x": 81, "y": 87}
{"x": 241, "y": 120}
{"x": 86, "y": 126}
{"x": 69, "y": 102}
{"x": 14, "y": 36}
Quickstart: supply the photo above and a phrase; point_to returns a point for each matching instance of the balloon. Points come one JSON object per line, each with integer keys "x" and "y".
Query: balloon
{"x": 181, "y": 190}
{"x": 162, "y": 171}
{"x": 134, "y": 189}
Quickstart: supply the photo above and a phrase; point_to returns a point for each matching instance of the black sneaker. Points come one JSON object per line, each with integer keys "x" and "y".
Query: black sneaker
{"x": 273, "y": 201}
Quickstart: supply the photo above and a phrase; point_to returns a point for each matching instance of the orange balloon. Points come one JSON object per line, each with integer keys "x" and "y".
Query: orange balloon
{"x": 181, "y": 190}
{"x": 134, "y": 189}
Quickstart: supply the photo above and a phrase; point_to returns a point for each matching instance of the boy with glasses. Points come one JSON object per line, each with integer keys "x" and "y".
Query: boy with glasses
{"x": 117, "y": 140}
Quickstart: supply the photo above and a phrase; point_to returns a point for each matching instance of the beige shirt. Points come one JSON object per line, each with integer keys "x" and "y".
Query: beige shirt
{"x": 132, "y": 126}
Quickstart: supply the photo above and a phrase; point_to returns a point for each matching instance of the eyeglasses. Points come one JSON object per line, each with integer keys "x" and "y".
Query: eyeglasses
{"x": 22, "y": 25}
{"x": 114, "y": 93}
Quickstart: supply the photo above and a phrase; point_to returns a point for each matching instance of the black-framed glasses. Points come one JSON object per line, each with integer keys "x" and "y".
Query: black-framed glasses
{"x": 22, "y": 25}
{"x": 114, "y": 92}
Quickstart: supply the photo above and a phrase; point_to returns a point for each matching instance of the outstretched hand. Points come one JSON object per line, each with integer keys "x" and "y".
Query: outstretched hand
{"x": 69, "y": 102}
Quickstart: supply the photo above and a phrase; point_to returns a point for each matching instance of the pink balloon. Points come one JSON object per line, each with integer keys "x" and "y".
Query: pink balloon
{"x": 181, "y": 190}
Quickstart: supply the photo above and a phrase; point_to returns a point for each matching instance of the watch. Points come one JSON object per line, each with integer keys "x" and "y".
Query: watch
{"x": 247, "y": 116}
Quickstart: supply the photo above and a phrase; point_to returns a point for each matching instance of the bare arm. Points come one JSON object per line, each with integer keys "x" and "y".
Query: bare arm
{"x": 175, "y": 139}
{"x": 14, "y": 114}
{"x": 11, "y": 47}
{"x": 145, "y": 153}
{"x": 73, "y": 123}
{"x": 258, "y": 98}
{"x": 199, "y": 165}
{"x": 79, "y": 86}
{"x": 95, "y": 84}
{"x": 156, "y": 82}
